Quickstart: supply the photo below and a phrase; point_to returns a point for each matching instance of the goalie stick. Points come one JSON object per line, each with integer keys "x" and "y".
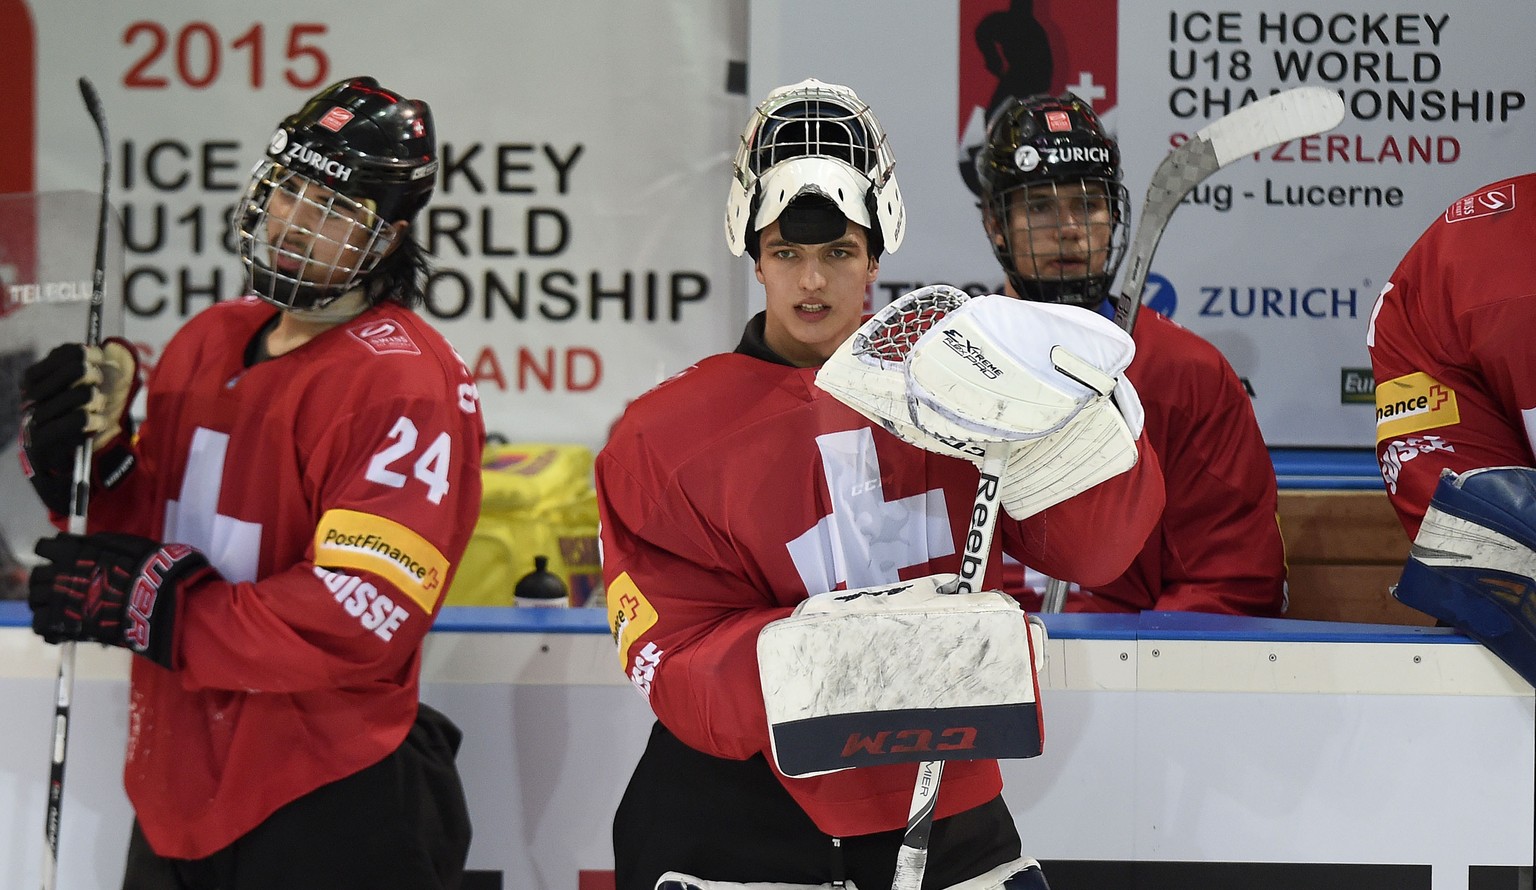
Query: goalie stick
{"x": 79, "y": 498}
{"x": 1292, "y": 114}
{"x": 888, "y": 340}
{"x": 912, "y": 858}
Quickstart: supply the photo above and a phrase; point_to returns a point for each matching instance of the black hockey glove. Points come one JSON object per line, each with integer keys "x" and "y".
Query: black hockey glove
{"x": 77, "y": 392}
{"x": 115, "y": 589}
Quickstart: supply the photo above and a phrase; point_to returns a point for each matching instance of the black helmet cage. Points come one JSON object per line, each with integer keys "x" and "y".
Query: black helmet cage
{"x": 356, "y": 159}
{"x": 825, "y": 125}
{"x": 1042, "y": 144}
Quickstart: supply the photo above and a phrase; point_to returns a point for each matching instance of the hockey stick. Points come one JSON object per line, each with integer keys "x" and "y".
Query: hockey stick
{"x": 79, "y": 499}
{"x": 887, "y": 341}
{"x": 936, "y": 369}
{"x": 1292, "y": 114}
{"x": 912, "y": 858}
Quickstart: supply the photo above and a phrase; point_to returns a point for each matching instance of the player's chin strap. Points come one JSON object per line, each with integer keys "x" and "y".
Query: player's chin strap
{"x": 342, "y": 309}
{"x": 1020, "y": 874}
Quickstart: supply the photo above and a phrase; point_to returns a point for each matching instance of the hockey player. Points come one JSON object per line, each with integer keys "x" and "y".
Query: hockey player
{"x": 1456, "y": 416}
{"x": 276, "y": 543}
{"x": 737, "y": 489}
{"x": 1455, "y": 377}
{"x": 1056, "y": 213}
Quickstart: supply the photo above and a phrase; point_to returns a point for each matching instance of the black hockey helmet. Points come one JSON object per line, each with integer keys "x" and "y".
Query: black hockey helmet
{"x": 1040, "y": 144}
{"x": 375, "y": 150}
{"x": 364, "y": 141}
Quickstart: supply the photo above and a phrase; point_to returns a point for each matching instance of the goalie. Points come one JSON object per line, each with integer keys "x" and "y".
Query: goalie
{"x": 740, "y": 493}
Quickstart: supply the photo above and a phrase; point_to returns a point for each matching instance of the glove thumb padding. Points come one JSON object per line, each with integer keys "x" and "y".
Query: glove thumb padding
{"x": 116, "y": 366}
{"x": 78, "y": 389}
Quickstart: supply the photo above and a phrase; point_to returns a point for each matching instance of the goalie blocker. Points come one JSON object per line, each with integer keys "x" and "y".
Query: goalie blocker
{"x": 1473, "y": 563}
{"x": 901, "y": 673}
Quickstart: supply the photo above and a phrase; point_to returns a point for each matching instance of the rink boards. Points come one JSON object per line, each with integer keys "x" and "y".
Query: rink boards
{"x": 1180, "y": 751}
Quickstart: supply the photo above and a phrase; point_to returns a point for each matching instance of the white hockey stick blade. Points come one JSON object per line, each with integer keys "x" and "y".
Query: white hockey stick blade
{"x": 1292, "y": 114}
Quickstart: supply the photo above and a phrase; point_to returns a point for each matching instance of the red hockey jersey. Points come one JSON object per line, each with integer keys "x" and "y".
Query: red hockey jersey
{"x": 1217, "y": 547}
{"x": 736, "y": 489}
{"x": 1450, "y": 341}
{"x": 334, "y": 488}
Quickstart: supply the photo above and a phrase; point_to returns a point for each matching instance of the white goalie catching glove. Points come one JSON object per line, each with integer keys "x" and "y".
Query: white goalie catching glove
{"x": 898, "y": 674}
{"x": 951, "y": 373}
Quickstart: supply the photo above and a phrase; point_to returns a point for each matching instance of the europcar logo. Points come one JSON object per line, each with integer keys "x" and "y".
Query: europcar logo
{"x": 1012, "y": 49}
{"x": 1356, "y": 386}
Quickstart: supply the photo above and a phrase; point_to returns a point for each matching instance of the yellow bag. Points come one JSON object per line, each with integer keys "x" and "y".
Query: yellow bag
{"x": 537, "y": 500}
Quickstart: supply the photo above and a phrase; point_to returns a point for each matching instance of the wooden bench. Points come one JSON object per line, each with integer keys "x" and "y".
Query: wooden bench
{"x": 1345, "y": 549}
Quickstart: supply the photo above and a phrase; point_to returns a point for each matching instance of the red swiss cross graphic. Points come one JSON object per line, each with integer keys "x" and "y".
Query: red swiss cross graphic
{"x": 1439, "y": 395}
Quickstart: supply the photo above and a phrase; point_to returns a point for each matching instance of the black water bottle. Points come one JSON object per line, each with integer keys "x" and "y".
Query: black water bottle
{"x": 540, "y": 587}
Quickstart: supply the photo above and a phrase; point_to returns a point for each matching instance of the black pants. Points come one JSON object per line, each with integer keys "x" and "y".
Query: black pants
{"x": 401, "y": 823}
{"x": 731, "y": 820}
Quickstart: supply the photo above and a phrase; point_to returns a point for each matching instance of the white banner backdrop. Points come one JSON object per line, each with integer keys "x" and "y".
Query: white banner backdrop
{"x": 584, "y": 149}
{"x": 1277, "y": 260}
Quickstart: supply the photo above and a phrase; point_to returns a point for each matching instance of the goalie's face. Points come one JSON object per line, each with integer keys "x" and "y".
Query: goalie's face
{"x": 815, "y": 292}
{"x": 1060, "y": 231}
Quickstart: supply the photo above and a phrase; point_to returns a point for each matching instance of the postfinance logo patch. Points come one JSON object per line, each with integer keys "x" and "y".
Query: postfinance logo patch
{"x": 347, "y": 539}
{"x": 1412, "y": 403}
{"x": 630, "y": 614}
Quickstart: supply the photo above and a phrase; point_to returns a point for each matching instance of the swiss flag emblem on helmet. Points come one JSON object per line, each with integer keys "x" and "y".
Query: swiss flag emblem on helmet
{"x": 335, "y": 119}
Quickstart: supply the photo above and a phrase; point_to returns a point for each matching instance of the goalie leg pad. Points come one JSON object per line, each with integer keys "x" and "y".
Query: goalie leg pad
{"x": 1020, "y": 874}
{"x": 676, "y": 880}
{"x": 1473, "y": 563}
{"x": 901, "y": 674}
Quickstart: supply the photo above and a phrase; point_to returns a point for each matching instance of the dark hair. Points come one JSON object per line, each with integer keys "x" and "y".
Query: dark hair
{"x": 401, "y": 277}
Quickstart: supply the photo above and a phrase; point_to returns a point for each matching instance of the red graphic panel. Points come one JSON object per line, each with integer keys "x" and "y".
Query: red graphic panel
{"x": 1044, "y": 46}
{"x": 18, "y": 71}
{"x": 594, "y": 880}
{"x": 1023, "y": 47}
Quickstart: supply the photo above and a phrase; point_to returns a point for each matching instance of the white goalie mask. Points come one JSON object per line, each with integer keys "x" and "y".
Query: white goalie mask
{"x": 814, "y": 139}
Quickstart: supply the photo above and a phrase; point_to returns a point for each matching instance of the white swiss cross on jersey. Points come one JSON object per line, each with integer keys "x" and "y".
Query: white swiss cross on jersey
{"x": 867, "y": 540}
